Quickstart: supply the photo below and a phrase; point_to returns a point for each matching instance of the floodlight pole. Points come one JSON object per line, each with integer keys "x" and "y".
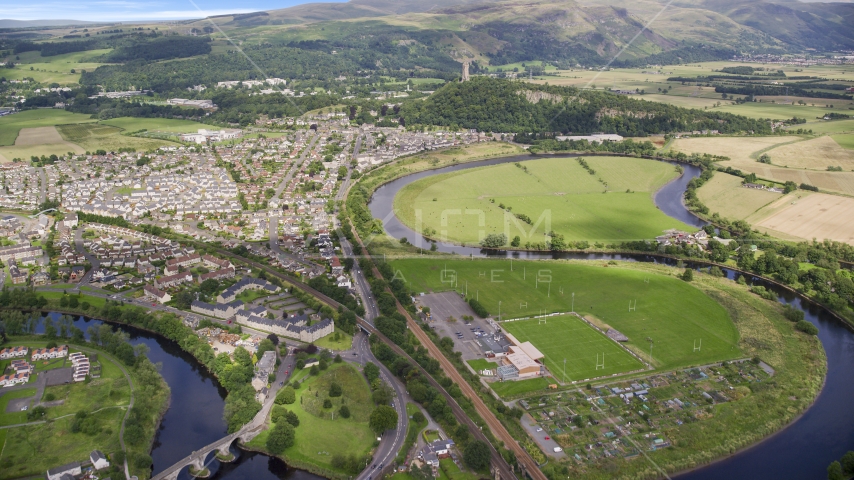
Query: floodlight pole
{"x": 499, "y": 310}
{"x": 573, "y": 302}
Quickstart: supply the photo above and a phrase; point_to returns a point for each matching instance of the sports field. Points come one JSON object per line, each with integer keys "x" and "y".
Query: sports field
{"x": 556, "y": 194}
{"x": 672, "y": 312}
{"x": 588, "y": 353}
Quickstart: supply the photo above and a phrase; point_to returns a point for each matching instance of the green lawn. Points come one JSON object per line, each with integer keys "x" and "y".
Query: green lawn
{"x": 319, "y": 436}
{"x": 453, "y": 472}
{"x": 250, "y": 295}
{"x": 511, "y": 388}
{"x": 568, "y": 338}
{"x": 556, "y": 194}
{"x": 33, "y": 449}
{"x": 672, "y": 312}
{"x": 12, "y": 418}
{"x": 10, "y": 125}
{"x": 344, "y": 341}
{"x": 481, "y": 364}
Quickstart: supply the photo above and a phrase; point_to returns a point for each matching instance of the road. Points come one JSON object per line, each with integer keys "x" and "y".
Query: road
{"x": 492, "y": 422}
{"x": 273, "y": 221}
{"x": 392, "y": 440}
{"x": 91, "y": 259}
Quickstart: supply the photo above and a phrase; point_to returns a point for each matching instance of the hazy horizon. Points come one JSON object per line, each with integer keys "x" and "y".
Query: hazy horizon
{"x": 136, "y": 11}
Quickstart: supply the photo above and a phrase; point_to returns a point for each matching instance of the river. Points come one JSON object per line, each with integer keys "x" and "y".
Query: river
{"x": 804, "y": 449}
{"x": 194, "y": 418}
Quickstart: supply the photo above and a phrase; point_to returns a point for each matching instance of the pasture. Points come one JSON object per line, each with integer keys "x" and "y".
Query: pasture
{"x": 725, "y": 195}
{"x": 844, "y": 140}
{"x": 673, "y": 313}
{"x": 740, "y": 150}
{"x": 566, "y": 337}
{"x": 817, "y": 216}
{"x": 55, "y": 69}
{"x": 10, "y": 125}
{"x": 94, "y": 136}
{"x": 556, "y": 194}
{"x": 170, "y": 125}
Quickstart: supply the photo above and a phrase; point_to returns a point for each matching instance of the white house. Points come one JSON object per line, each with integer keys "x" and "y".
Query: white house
{"x": 99, "y": 461}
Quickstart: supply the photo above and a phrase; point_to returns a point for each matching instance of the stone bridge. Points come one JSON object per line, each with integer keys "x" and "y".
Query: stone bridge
{"x": 199, "y": 460}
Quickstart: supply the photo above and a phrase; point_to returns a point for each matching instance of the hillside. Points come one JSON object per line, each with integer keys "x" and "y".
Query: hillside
{"x": 497, "y": 105}
{"x": 578, "y": 31}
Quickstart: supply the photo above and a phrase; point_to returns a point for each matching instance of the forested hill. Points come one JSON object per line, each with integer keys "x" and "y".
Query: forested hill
{"x": 500, "y": 105}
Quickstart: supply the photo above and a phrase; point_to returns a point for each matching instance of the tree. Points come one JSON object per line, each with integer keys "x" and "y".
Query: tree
{"x": 383, "y": 418}
{"x": 848, "y": 463}
{"x": 418, "y": 417}
{"x": 382, "y": 395}
{"x": 371, "y": 371}
{"x": 834, "y": 471}
{"x": 344, "y": 411}
{"x": 286, "y": 396}
{"x": 516, "y": 241}
{"x": 335, "y": 390}
{"x": 327, "y": 403}
{"x": 494, "y": 240}
{"x": 688, "y": 275}
{"x": 292, "y": 418}
{"x": 807, "y": 327}
{"x": 476, "y": 455}
{"x": 281, "y": 437}
{"x": 209, "y": 286}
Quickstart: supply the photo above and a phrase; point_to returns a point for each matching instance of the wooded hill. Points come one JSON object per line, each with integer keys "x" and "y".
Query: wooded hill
{"x": 501, "y": 105}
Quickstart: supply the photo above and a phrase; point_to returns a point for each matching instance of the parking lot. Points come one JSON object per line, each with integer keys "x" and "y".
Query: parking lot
{"x": 474, "y": 338}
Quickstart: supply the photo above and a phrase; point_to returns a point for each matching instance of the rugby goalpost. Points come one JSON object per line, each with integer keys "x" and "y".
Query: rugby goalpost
{"x": 600, "y": 365}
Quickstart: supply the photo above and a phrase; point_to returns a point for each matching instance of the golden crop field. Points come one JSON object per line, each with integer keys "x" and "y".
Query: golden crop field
{"x": 818, "y": 216}
{"x": 725, "y": 195}
{"x": 816, "y": 153}
{"x": 738, "y": 149}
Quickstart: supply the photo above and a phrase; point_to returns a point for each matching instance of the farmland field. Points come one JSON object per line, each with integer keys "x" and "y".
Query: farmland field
{"x": 816, "y": 153}
{"x": 671, "y": 312}
{"x": 132, "y": 124}
{"x": 567, "y": 337}
{"x": 738, "y": 149}
{"x": 10, "y": 125}
{"x": 94, "y": 136}
{"x": 556, "y": 194}
{"x": 55, "y": 69}
{"x": 818, "y": 216}
{"x": 725, "y": 195}
{"x": 845, "y": 140}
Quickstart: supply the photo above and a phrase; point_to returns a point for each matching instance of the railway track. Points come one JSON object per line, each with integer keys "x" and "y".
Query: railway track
{"x": 504, "y": 470}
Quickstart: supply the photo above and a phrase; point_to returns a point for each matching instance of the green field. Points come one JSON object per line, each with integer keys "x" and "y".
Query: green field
{"x": 10, "y": 125}
{"x": 94, "y": 136}
{"x": 672, "y": 312}
{"x": 480, "y": 364}
{"x": 55, "y": 69}
{"x": 319, "y": 436}
{"x": 566, "y": 337}
{"x": 170, "y": 125}
{"x": 14, "y": 418}
{"x": 556, "y": 194}
{"x": 344, "y": 342}
{"x": 520, "y": 387}
{"x": 725, "y": 195}
{"x": 845, "y": 140}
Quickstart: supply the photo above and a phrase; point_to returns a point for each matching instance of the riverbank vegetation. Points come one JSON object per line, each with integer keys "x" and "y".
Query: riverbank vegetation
{"x": 235, "y": 375}
{"x": 80, "y": 417}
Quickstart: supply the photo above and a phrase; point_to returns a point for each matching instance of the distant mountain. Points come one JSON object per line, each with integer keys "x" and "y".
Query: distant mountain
{"x": 580, "y": 31}
{"x": 8, "y": 23}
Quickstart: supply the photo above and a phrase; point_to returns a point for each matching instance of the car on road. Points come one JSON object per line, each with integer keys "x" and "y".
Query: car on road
{"x": 539, "y": 429}
{"x": 24, "y": 408}
{"x": 548, "y": 438}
